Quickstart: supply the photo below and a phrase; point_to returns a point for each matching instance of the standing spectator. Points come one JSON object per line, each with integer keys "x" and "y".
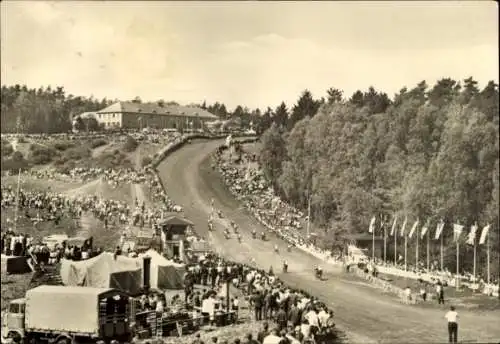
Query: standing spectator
{"x": 250, "y": 339}
{"x": 257, "y": 301}
{"x": 272, "y": 338}
{"x": 295, "y": 315}
{"x": 263, "y": 333}
{"x": 440, "y": 293}
{"x": 452, "y": 317}
{"x": 423, "y": 292}
{"x": 281, "y": 319}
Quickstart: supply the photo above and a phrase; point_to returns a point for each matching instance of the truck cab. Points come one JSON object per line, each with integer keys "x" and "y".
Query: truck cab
{"x": 13, "y": 321}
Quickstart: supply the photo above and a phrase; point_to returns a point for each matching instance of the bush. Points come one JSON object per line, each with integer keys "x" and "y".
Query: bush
{"x": 98, "y": 143}
{"x": 41, "y": 155}
{"x": 78, "y": 153}
{"x": 17, "y": 156}
{"x": 6, "y": 148}
{"x": 146, "y": 161}
{"x": 66, "y": 167}
{"x": 115, "y": 159}
{"x": 62, "y": 146}
{"x": 130, "y": 144}
{"x": 15, "y": 163}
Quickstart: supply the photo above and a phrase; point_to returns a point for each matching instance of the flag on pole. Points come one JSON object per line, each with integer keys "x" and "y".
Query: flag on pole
{"x": 484, "y": 234}
{"x": 457, "y": 230}
{"x": 413, "y": 228}
{"x": 372, "y": 225}
{"x": 472, "y": 235}
{"x": 403, "y": 227}
{"x": 425, "y": 228}
{"x": 394, "y": 225}
{"x": 439, "y": 229}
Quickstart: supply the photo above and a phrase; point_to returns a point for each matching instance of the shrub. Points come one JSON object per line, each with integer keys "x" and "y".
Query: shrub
{"x": 115, "y": 159}
{"x": 62, "y": 146}
{"x": 66, "y": 167}
{"x": 17, "y": 156}
{"x": 6, "y": 148}
{"x": 42, "y": 155}
{"x": 130, "y": 144}
{"x": 78, "y": 153}
{"x": 146, "y": 161}
{"x": 98, "y": 143}
{"x": 12, "y": 164}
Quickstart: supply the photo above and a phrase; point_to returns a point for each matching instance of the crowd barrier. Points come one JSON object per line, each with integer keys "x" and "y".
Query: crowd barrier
{"x": 387, "y": 287}
{"x": 429, "y": 277}
{"x": 174, "y": 146}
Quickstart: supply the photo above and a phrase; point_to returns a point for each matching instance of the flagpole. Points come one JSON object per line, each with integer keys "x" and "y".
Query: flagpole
{"x": 474, "y": 266}
{"x": 406, "y": 249}
{"x": 488, "y": 259}
{"x": 457, "y": 280}
{"x": 428, "y": 253}
{"x": 373, "y": 244}
{"x": 385, "y": 245}
{"x": 416, "y": 253}
{"x": 395, "y": 247}
{"x": 442, "y": 255}
{"x": 17, "y": 199}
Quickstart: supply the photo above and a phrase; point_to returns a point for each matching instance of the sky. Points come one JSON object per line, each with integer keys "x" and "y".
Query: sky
{"x": 256, "y": 54}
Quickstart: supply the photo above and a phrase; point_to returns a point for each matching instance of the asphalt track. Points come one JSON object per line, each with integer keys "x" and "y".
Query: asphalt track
{"x": 366, "y": 315}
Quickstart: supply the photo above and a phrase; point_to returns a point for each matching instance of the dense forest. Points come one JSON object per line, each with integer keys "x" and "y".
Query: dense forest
{"x": 429, "y": 154}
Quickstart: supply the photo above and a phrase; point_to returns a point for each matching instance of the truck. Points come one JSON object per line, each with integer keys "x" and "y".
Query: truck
{"x": 64, "y": 315}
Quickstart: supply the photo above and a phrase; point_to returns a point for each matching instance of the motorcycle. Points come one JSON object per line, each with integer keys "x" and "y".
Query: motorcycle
{"x": 318, "y": 273}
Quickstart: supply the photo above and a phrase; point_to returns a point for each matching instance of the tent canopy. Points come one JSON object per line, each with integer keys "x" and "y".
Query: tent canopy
{"x": 165, "y": 274}
{"x": 104, "y": 271}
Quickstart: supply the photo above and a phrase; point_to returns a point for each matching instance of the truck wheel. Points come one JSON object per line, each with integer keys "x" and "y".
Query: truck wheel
{"x": 16, "y": 337}
{"x": 64, "y": 341}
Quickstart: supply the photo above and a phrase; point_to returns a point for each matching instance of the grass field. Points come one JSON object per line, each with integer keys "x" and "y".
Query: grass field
{"x": 31, "y": 183}
{"x": 67, "y": 225}
{"x": 464, "y": 298}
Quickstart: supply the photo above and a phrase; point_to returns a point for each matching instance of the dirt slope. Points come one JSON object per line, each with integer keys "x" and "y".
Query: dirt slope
{"x": 364, "y": 313}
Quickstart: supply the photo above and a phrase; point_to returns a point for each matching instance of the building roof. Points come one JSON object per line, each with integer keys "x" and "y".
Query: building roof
{"x": 176, "y": 220}
{"x": 156, "y": 109}
{"x": 88, "y": 114}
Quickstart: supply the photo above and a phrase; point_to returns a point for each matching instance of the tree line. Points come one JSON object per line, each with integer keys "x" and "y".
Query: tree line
{"x": 50, "y": 110}
{"x": 430, "y": 153}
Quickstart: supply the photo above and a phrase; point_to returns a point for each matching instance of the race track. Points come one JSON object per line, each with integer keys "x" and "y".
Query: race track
{"x": 365, "y": 314}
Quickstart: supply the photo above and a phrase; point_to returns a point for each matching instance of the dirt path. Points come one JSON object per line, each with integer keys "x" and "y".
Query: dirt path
{"x": 87, "y": 220}
{"x": 137, "y": 192}
{"x": 364, "y": 313}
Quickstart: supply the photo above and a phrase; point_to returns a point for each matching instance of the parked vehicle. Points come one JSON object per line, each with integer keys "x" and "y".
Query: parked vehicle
{"x": 64, "y": 315}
